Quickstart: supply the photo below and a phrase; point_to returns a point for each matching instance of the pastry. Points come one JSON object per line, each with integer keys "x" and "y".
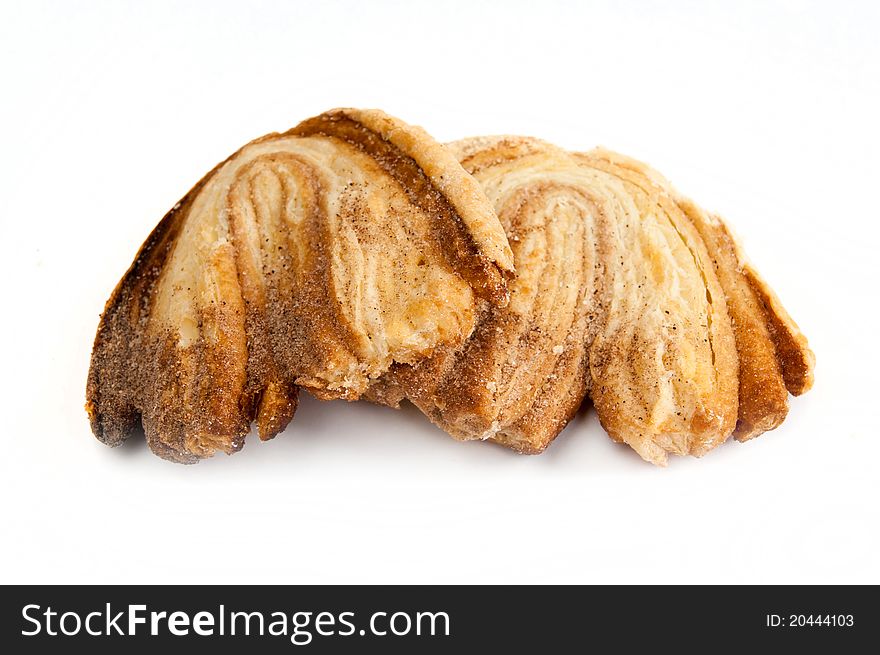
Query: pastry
{"x": 524, "y": 371}
{"x": 315, "y": 258}
{"x": 626, "y": 293}
{"x": 773, "y": 358}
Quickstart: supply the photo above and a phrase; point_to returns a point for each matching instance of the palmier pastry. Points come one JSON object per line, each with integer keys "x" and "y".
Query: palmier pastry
{"x": 315, "y": 258}
{"x": 625, "y": 292}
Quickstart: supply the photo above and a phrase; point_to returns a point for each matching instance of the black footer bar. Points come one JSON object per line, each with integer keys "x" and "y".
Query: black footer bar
{"x": 286, "y": 619}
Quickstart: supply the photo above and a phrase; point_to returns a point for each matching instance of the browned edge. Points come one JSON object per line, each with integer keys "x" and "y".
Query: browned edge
{"x": 461, "y": 250}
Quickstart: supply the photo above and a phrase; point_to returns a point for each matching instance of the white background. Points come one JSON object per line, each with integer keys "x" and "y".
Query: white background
{"x": 767, "y": 113}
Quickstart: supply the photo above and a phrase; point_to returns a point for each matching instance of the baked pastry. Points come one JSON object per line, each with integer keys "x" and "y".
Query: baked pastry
{"x": 524, "y": 371}
{"x": 626, "y": 292}
{"x": 773, "y": 358}
{"x": 314, "y": 258}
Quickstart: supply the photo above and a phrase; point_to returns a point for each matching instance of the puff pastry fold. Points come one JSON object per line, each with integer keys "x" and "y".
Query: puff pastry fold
{"x": 626, "y": 293}
{"x": 315, "y": 258}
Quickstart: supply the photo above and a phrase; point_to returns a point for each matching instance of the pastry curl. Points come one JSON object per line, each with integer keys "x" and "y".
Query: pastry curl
{"x": 315, "y": 258}
{"x": 627, "y": 293}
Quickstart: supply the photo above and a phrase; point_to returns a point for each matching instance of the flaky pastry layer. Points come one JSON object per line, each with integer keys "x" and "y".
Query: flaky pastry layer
{"x": 626, "y": 293}
{"x": 315, "y": 258}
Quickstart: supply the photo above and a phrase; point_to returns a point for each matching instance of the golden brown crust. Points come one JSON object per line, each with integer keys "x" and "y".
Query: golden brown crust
{"x": 316, "y": 258}
{"x": 434, "y": 181}
{"x": 585, "y": 314}
{"x": 669, "y": 333}
{"x": 774, "y": 357}
{"x": 665, "y": 367}
{"x": 763, "y": 397}
{"x": 522, "y": 374}
{"x": 451, "y": 183}
{"x": 792, "y": 350}
{"x": 353, "y": 256}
